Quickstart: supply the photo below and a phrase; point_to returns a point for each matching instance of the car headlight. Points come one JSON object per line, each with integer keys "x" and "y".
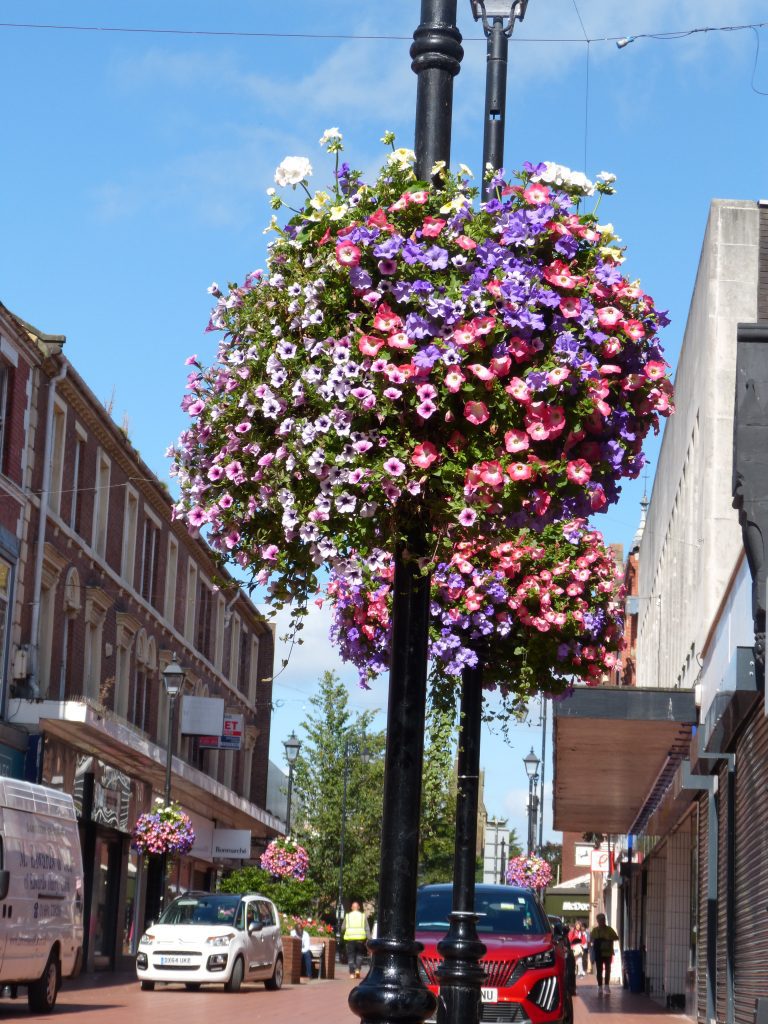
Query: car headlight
{"x": 146, "y": 939}
{"x": 220, "y": 940}
{"x": 545, "y": 959}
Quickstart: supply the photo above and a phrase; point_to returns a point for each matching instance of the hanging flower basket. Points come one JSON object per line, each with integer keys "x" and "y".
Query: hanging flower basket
{"x": 413, "y": 360}
{"x": 532, "y": 872}
{"x": 167, "y": 830}
{"x": 284, "y": 858}
{"x": 547, "y": 606}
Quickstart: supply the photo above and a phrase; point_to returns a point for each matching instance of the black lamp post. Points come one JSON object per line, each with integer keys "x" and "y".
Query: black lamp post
{"x": 498, "y": 18}
{"x": 173, "y": 681}
{"x": 392, "y": 992}
{"x": 531, "y": 763}
{"x": 365, "y": 757}
{"x": 292, "y": 747}
{"x": 503, "y": 872}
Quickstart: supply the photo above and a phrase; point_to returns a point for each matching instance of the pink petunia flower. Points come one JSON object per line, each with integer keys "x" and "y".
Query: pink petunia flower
{"x": 578, "y": 471}
{"x": 476, "y": 412}
{"x": 424, "y": 455}
{"x": 516, "y": 441}
{"x": 609, "y": 317}
{"x": 519, "y": 471}
{"x": 394, "y": 467}
{"x": 347, "y": 254}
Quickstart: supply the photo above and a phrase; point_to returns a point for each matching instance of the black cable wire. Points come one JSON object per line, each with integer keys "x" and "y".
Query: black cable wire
{"x": 759, "y": 92}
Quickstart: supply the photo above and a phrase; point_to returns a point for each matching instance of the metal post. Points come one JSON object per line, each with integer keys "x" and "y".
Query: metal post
{"x": 495, "y": 99}
{"x": 503, "y": 873}
{"x": 342, "y": 836}
{"x": 290, "y": 797}
{"x": 392, "y": 992}
{"x": 543, "y": 762}
{"x": 460, "y": 974}
{"x": 436, "y": 55}
{"x": 167, "y": 794}
{"x": 531, "y": 821}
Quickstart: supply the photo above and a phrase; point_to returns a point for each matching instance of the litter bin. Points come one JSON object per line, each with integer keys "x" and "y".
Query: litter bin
{"x": 632, "y": 962}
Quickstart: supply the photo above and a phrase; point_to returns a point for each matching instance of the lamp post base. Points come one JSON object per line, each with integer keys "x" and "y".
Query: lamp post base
{"x": 393, "y": 993}
{"x": 460, "y": 974}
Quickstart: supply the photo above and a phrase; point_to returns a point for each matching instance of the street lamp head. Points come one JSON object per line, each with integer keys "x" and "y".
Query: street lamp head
{"x": 292, "y": 747}
{"x": 494, "y": 10}
{"x": 366, "y": 754}
{"x": 173, "y": 678}
{"x": 531, "y": 763}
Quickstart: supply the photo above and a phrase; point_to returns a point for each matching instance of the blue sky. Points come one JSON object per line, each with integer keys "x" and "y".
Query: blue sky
{"x": 134, "y": 167}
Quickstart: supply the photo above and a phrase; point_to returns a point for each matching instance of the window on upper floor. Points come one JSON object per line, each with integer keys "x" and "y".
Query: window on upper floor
{"x": 57, "y": 458}
{"x": 243, "y": 661}
{"x": 130, "y": 520}
{"x": 78, "y": 472}
{"x": 171, "y": 568}
{"x": 150, "y": 561}
{"x": 190, "y": 616}
{"x": 203, "y": 628}
{"x": 101, "y": 511}
{"x": 5, "y": 392}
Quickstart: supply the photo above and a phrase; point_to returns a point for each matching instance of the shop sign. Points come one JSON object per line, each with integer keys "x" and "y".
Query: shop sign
{"x": 202, "y": 716}
{"x": 575, "y": 905}
{"x": 231, "y": 844}
{"x": 231, "y": 737}
{"x": 600, "y": 861}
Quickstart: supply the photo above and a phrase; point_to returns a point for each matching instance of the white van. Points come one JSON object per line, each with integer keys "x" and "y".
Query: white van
{"x": 41, "y": 891}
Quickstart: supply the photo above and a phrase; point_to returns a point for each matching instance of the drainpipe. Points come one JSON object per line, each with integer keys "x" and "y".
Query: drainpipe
{"x": 34, "y": 681}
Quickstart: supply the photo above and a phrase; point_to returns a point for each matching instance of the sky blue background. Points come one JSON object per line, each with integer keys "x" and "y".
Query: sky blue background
{"x": 133, "y": 169}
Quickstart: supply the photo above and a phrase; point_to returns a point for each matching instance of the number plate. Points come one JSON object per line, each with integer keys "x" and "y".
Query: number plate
{"x": 489, "y": 995}
{"x": 175, "y": 961}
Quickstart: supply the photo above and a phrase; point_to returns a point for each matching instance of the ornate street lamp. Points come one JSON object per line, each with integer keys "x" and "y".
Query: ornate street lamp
{"x": 531, "y": 763}
{"x": 292, "y": 747}
{"x": 173, "y": 681}
{"x": 365, "y": 756}
{"x": 498, "y": 18}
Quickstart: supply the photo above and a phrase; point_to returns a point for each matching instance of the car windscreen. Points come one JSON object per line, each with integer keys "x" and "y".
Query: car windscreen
{"x": 203, "y": 909}
{"x": 513, "y": 914}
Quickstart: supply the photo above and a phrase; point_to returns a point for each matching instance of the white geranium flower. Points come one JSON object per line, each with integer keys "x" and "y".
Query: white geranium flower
{"x": 330, "y": 135}
{"x": 292, "y": 170}
{"x": 606, "y": 176}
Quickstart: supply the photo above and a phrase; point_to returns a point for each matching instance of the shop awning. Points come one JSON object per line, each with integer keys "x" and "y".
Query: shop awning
{"x": 615, "y": 752}
{"x": 102, "y": 735}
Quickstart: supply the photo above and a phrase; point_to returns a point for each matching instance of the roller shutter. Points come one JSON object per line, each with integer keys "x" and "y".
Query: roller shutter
{"x": 751, "y": 882}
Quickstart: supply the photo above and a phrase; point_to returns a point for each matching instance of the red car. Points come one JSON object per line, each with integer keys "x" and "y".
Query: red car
{"x": 525, "y": 965}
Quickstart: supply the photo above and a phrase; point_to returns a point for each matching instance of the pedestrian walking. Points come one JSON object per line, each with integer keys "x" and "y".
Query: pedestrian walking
{"x": 579, "y": 941}
{"x": 603, "y": 938}
{"x": 356, "y": 932}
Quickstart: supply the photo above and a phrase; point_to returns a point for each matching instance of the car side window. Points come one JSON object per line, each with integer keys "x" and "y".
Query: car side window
{"x": 265, "y": 913}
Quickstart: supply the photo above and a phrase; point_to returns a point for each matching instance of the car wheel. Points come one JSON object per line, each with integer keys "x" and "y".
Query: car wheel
{"x": 147, "y": 986}
{"x": 276, "y": 981}
{"x": 235, "y": 978}
{"x": 41, "y": 994}
{"x": 192, "y": 986}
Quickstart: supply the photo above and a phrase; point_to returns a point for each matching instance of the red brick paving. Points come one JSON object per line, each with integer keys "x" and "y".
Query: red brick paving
{"x": 117, "y": 999}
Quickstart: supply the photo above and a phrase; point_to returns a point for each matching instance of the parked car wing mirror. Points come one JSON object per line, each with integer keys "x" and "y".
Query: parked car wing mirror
{"x": 255, "y": 926}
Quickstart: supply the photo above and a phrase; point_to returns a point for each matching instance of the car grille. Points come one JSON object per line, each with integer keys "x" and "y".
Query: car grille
{"x": 176, "y": 967}
{"x": 498, "y": 973}
{"x": 504, "y": 1013}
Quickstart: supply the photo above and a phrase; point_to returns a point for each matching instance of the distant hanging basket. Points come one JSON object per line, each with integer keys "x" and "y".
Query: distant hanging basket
{"x": 531, "y": 872}
{"x": 284, "y": 858}
{"x": 168, "y": 830}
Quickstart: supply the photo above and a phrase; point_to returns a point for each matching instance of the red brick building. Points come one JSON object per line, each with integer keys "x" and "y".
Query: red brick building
{"x": 101, "y": 591}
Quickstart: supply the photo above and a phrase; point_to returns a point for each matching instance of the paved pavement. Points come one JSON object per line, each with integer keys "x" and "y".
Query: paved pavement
{"x": 117, "y": 999}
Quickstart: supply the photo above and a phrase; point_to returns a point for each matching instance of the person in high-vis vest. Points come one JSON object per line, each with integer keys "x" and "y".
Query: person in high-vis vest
{"x": 356, "y": 931}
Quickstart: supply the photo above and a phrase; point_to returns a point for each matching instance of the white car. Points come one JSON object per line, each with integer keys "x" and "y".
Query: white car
{"x": 213, "y": 938}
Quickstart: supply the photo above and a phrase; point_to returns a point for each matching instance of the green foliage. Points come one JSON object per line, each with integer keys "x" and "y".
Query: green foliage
{"x": 288, "y": 895}
{"x": 329, "y": 730}
{"x": 552, "y": 853}
{"x": 438, "y": 797}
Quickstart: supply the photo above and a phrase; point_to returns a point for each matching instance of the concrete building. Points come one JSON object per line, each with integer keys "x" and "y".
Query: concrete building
{"x": 101, "y": 591}
{"x": 685, "y": 751}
